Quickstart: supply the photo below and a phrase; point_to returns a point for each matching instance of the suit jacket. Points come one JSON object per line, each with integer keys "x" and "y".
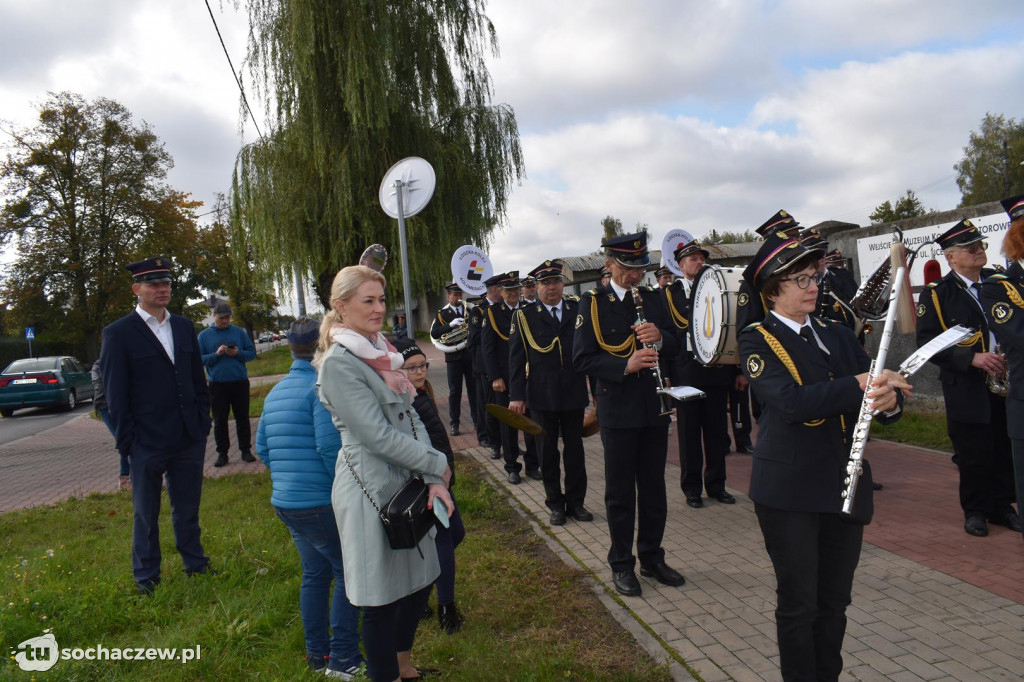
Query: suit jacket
{"x": 685, "y": 369}
{"x": 837, "y": 284}
{"x": 1002, "y": 297}
{"x": 477, "y": 316}
{"x": 806, "y": 424}
{"x": 154, "y": 403}
{"x": 941, "y": 305}
{"x": 546, "y": 380}
{"x": 494, "y": 337}
{"x": 442, "y": 325}
{"x": 624, "y": 401}
{"x": 749, "y": 307}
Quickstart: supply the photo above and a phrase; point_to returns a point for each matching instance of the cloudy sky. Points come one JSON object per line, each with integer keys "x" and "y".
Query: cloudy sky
{"x": 674, "y": 113}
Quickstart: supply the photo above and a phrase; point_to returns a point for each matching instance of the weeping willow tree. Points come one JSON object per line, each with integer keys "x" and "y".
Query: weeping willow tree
{"x": 356, "y": 87}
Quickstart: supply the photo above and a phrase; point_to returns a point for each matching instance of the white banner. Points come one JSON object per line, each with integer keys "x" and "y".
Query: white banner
{"x": 871, "y": 251}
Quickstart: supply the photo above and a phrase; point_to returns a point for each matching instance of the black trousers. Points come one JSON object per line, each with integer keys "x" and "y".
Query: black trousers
{"x": 388, "y": 630}
{"x": 703, "y": 441}
{"x": 460, "y": 372}
{"x": 230, "y": 396}
{"x": 509, "y": 438}
{"x": 568, "y": 423}
{"x": 1018, "y": 470}
{"x": 486, "y": 426}
{"x": 986, "y": 463}
{"x": 634, "y": 469}
{"x": 815, "y": 556}
{"x": 739, "y": 416}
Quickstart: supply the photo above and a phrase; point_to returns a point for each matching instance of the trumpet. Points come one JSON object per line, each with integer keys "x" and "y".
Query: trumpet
{"x": 666, "y": 402}
{"x": 999, "y": 384}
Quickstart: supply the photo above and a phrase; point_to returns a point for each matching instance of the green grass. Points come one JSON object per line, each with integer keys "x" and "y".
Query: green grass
{"x": 274, "y": 361}
{"x": 922, "y": 426}
{"x": 68, "y": 568}
{"x": 257, "y": 396}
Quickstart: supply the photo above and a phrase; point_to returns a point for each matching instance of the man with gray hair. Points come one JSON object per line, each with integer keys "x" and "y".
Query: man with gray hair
{"x": 225, "y": 349}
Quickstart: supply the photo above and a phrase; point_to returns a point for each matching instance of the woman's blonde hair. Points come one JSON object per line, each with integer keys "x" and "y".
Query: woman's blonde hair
{"x": 343, "y": 288}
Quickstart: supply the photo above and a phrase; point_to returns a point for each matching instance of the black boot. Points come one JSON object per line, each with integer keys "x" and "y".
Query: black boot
{"x": 449, "y": 618}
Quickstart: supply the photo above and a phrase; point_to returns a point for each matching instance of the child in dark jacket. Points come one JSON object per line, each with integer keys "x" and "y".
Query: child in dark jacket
{"x": 447, "y": 539}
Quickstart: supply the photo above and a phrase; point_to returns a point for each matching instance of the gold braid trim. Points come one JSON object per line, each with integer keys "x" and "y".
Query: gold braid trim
{"x": 494, "y": 325}
{"x": 1013, "y": 294}
{"x": 624, "y": 349}
{"x": 529, "y": 340}
{"x": 787, "y": 361}
{"x": 970, "y": 340}
{"x": 677, "y": 317}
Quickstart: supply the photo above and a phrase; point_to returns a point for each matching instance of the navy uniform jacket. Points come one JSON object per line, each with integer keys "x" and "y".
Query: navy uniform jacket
{"x": 749, "y": 307}
{"x": 494, "y": 339}
{"x": 840, "y": 283}
{"x": 685, "y": 369}
{"x": 806, "y": 424}
{"x": 153, "y": 402}
{"x": 544, "y": 351}
{"x": 1002, "y": 297}
{"x": 441, "y": 325}
{"x": 624, "y": 401}
{"x": 476, "y": 319}
{"x": 941, "y": 305}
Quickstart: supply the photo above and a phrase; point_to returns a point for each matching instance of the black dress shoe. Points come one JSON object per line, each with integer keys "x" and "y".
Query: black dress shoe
{"x": 534, "y": 474}
{"x": 875, "y": 485}
{"x": 455, "y": 430}
{"x": 515, "y": 478}
{"x": 626, "y": 583}
{"x": 580, "y": 513}
{"x": 745, "y": 450}
{"x": 663, "y": 574}
{"x": 723, "y": 497}
{"x": 495, "y": 453}
{"x": 1008, "y": 518}
{"x": 247, "y": 457}
{"x": 221, "y": 460}
{"x": 557, "y": 517}
{"x": 449, "y": 618}
{"x": 421, "y": 673}
{"x": 694, "y": 502}
{"x": 975, "y": 525}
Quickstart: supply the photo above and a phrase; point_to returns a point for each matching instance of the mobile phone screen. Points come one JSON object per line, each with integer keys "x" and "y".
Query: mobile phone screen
{"x": 441, "y": 512}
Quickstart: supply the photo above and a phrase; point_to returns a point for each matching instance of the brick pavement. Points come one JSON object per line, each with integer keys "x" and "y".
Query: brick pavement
{"x": 930, "y": 602}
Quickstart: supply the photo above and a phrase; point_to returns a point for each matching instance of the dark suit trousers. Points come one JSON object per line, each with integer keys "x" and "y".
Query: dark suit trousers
{"x": 184, "y": 470}
{"x": 230, "y": 396}
{"x": 486, "y": 428}
{"x": 739, "y": 415}
{"x": 815, "y": 556}
{"x": 509, "y": 437}
{"x": 1018, "y": 469}
{"x": 570, "y": 424}
{"x": 704, "y": 420}
{"x": 460, "y": 372}
{"x": 986, "y": 465}
{"x": 634, "y": 469}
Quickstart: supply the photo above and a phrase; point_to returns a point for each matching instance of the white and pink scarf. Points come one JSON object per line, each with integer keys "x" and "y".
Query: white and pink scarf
{"x": 387, "y": 363}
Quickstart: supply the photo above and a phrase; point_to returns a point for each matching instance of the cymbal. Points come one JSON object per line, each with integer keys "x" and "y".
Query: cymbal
{"x": 516, "y": 421}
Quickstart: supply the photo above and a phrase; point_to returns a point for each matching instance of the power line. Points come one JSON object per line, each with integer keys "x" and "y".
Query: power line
{"x": 235, "y": 75}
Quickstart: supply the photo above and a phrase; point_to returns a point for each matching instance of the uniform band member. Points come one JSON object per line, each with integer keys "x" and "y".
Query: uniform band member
{"x": 495, "y": 337}
{"x": 543, "y": 378}
{"x": 703, "y": 424}
{"x": 809, "y": 375}
{"x": 975, "y": 417}
{"x": 487, "y": 432}
{"x": 459, "y": 364}
{"x": 836, "y": 290}
{"x": 749, "y": 307}
{"x": 664, "y": 277}
{"x": 528, "y": 291}
{"x": 621, "y": 355}
{"x": 1002, "y": 297}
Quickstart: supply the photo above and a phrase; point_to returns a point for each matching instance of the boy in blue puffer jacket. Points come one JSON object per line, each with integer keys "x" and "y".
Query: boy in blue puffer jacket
{"x": 299, "y": 444}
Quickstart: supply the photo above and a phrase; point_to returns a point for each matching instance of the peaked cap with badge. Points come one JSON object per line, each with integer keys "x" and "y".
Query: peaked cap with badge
{"x": 781, "y": 221}
{"x": 777, "y": 254}
{"x": 630, "y": 250}
{"x": 547, "y": 270}
{"x": 509, "y": 280}
{"x": 688, "y": 248}
{"x": 1014, "y": 206}
{"x": 150, "y": 270}
{"x": 963, "y": 233}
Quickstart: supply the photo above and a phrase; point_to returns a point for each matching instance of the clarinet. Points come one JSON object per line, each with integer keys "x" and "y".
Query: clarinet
{"x": 666, "y": 402}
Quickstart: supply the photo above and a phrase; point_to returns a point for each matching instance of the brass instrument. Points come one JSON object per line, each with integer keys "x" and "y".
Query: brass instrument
{"x": 666, "y": 402}
{"x": 999, "y": 384}
{"x": 456, "y": 339}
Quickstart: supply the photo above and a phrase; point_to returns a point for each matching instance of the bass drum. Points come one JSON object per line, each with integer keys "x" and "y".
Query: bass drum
{"x": 713, "y": 332}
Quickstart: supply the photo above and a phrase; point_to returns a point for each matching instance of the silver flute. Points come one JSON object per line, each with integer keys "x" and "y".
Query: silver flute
{"x": 666, "y": 402}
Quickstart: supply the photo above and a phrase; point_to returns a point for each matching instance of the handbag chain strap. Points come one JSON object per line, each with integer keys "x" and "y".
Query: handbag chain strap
{"x": 351, "y": 468}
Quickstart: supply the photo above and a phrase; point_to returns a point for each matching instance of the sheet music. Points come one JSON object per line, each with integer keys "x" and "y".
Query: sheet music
{"x": 950, "y": 337}
{"x": 683, "y": 393}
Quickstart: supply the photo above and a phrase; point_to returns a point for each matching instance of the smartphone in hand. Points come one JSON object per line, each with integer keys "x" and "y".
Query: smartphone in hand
{"x": 441, "y": 512}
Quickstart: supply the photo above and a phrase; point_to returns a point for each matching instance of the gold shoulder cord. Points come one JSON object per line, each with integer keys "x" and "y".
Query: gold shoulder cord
{"x": 528, "y": 336}
{"x": 624, "y": 349}
{"x": 970, "y": 340}
{"x": 1013, "y": 294}
{"x": 677, "y": 317}
{"x": 494, "y": 325}
{"x": 439, "y": 319}
{"x": 787, "y": 361}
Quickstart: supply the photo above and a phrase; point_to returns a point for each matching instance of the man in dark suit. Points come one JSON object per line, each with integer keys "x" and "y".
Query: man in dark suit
{"x": 487, "y": 432}
{"x": 495, "y": 337}
{"x": 975, "y": 417}
{"x": 543, "y": 379}
{"x": 160, "y": 413}
{"x": 459, "y": 363}
{"x": 621, "y": 354}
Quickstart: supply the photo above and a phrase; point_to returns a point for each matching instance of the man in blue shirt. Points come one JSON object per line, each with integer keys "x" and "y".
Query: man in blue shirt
{"x": 225, "y": 349}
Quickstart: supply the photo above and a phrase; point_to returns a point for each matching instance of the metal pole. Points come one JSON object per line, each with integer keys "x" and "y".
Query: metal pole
{"x": 405, "y": 261}
{"x": 300, "y": 292}
{"x": 30, "y": 348}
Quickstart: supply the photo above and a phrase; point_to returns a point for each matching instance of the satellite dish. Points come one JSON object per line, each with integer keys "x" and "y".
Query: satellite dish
{"x": 672, "y": 241}
{"x": 417, "y": 181}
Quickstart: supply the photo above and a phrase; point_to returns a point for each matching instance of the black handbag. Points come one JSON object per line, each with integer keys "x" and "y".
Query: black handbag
{"x": 405, "y": 516}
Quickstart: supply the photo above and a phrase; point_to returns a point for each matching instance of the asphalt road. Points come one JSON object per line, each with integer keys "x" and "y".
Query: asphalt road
{"x": 31, "y": 420}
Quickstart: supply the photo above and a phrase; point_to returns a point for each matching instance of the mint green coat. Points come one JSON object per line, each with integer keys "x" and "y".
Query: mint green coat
{"x": 376, "y": 428}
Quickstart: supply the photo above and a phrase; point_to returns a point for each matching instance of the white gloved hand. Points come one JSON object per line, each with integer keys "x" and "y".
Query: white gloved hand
{"x": 457, "y": 322}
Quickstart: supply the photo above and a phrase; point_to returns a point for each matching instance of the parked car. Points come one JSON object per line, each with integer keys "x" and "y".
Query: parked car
{"x": 266, "y": 337}
{"x": 33, "y": 382}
